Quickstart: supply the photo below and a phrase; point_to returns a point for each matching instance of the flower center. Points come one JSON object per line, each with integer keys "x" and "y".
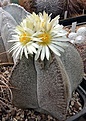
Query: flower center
{"x": 46, "y": 38}
{"x": 25, "y": 38}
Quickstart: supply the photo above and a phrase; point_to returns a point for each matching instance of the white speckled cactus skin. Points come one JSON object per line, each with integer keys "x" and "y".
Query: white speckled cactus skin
{"x": 7, "y": 26}
{"x": 51, "y": 6}
{"x": 16, "y": 11}
{"x": 79, "y": 37}
{"x": 4, "y": 2}
{"x": 51, "y": 77}
{"x": 8, "y": 21}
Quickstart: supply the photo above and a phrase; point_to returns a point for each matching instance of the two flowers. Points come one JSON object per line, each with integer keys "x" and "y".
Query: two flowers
{"x": 40, "y": 35}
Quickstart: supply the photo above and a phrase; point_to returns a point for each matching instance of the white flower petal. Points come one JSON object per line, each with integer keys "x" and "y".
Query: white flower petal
{"x": 17, "y": 53}
{"x": 60, "y": 34}
{"x": 59, "y": 38}
{"x": 43, "y": 53}
{"x": 47, "y": 52}
{"x": 15, "y": 45}
{"x": 23, "y": 23}
{"x": 54, "y": 50}
{"x": 58, "y": 47}
{"x": 25, "y": 52}
{"x": 29, "y": 31}
{"x": 15, "y": 35}
{"x": 37, "y": 33}
{"x": 58, "y": 28}
{"x": 33, "y": 49}
{"x": 29, "y": 50}
{"x": 36, "y": 39}
{"x": 62, "y": 44}
{"x": 55, "y": 21}
{"x": 35, "y": 45}
{"x": 17, "y": 31}
{"x": 63, "y": 39}
{"x": 16, "y": 50}
{"x": 38, "y": 53}
{"x": 21, "y": 53}
{"x": 13, "y": 40}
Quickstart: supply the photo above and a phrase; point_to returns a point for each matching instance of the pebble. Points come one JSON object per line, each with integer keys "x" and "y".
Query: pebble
{"x": 72, "y": 35}
{"x": 81, "y": 31}
{"x": 79, "y": 39}
{"x": 72, "y": 103}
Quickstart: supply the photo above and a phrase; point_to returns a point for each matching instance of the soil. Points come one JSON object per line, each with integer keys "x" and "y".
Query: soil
{"x": 10, "y": 113}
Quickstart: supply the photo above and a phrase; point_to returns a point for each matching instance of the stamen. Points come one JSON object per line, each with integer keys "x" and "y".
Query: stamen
{"x": 46, "y": 38}
{"x": 24, "y": 38}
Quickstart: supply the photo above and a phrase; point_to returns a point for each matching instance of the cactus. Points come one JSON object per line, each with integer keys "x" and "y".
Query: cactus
{"x": 7, "y": 26}
{"x": 4, "y": 2}
{"x": 23, "y": 79}
{"x": 58, "y": 77}
{"x": 82, "y": 50}
{"x": 53, "y": 87}
{"x": 8, "y": 21}
{"x": 29, "y": 5}
{"x": 3, "y": 57}
{"x": 45, "y": 86}
{"x": 51, "y": 6}
{"x": 73, "y": 64}
{"x": 20, "y": 12}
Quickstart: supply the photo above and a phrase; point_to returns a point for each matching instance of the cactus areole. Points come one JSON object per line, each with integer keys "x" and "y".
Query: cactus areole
{"x": 49, "y": 68}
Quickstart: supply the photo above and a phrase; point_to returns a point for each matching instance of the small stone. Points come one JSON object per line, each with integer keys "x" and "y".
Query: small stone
{"x": 80, "y": 39}
{"x": 72, "y": 35}
{"x": 13, "y": 112}
{"x": 76, "y": 105}
{"x": 25, "y": 93}
{"x": 80, "y": 108}
{"x": 79, "y": 104}
{"x": 3, "y": 119}
{"x": 81, "y": 31}
{"x": 14, "y": 119}
{"x": 72, "y": 41}
{"x": 49, "y": 117}
{"x": 26, "y": 119}
{"x": 74, "y": 113}
{"x": 7, "y": 72}
{"x": 38, "y": 118}
{"x": 72, "y": 103}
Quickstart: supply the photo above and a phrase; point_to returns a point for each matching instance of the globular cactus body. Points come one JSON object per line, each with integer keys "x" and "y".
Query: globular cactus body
{"x": 8, "y": 21}
{"x": 73, "y": 64}
{"x": 20, "y": 12}
{"x": 57, "y": 79}
{"x": 56, "y": 7}
{"x": 23, "y": 79}
{"x": 3, "y": 57}
{"x": 53, "y": 87}
{"x": 44, "y": 86}
{"x": 7, "y": 25}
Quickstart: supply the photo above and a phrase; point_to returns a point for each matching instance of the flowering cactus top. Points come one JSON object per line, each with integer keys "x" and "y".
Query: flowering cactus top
{"x": 40, "y": 35}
